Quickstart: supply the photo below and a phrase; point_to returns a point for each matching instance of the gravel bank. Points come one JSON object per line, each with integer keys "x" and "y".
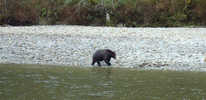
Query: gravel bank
{"x": 144, "y": 48}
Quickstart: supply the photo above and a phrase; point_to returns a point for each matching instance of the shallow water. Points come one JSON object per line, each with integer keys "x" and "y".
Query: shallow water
{"x": 37, "y": 82}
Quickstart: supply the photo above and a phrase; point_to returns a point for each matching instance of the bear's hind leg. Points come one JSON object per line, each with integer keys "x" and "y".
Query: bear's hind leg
{"x": 93, "y": 62}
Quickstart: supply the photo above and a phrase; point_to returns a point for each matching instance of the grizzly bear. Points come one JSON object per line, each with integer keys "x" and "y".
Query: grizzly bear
{"x": 103, "y": 55}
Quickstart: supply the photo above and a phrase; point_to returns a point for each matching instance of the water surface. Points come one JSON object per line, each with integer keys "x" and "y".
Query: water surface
{"x": 37, "y": 82}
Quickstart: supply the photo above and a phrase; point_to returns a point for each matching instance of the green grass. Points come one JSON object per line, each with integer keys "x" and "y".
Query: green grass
{"x": 37, "y": 82}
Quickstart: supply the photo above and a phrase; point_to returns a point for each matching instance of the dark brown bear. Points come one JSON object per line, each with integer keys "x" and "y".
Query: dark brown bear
{"x": 103, "y": 55}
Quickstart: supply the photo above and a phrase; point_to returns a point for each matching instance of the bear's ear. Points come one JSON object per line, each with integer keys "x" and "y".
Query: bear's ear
{"x": 110, "y": 51}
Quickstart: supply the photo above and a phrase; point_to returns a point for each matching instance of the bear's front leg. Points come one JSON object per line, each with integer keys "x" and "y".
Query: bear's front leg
{"x": 107, "y": 61}
{"x": 99, "y": 64}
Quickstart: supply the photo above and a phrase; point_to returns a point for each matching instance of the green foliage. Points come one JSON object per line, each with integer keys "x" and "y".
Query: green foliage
{"x": 43, "y": 12}
{"x": 93, "y": 2}
{"x": 131, "y": 13}
{"x": 71, "y": 2}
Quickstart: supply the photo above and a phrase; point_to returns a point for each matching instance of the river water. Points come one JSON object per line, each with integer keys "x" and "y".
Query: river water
{"x": 44, "y": 82}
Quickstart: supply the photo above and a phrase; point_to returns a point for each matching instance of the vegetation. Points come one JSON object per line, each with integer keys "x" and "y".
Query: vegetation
{"x": 130, "y": 13}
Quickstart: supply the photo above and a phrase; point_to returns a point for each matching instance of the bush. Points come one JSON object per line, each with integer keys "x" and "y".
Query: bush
{"x": 131, "y": 13}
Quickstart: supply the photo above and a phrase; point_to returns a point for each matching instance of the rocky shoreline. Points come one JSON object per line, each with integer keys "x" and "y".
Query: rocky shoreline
{"x": 143, "y": 48}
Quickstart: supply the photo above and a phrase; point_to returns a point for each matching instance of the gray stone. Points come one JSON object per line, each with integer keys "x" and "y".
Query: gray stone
{"x": 143, "y": 48}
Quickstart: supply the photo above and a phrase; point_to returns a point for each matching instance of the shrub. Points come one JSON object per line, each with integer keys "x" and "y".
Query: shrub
{"x": 131, "y": 13}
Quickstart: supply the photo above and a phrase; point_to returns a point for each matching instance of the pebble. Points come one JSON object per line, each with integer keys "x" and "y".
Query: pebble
{"x": 143, "y": 48}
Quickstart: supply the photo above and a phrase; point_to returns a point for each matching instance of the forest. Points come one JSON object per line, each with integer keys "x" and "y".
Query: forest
{"x": 128, "y": 13}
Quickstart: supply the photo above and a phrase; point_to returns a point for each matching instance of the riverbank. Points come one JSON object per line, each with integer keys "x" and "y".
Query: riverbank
{"x": 145, "y": 48}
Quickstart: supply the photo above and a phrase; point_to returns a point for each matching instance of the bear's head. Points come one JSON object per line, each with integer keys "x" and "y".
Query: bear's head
{"x": 112, "y": 53}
